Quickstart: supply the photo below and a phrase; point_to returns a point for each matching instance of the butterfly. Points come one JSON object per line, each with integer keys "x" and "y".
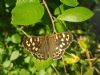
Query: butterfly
{"x": 53, "y": 46}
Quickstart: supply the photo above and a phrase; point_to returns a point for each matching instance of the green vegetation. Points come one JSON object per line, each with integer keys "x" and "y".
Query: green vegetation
{"x": 20, "y": 18}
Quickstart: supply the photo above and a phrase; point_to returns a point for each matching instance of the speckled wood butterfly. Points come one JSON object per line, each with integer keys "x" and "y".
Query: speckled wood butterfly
{"x": 43, "y": 47}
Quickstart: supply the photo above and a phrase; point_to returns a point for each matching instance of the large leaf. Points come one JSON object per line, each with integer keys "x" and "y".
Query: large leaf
{"x": 70, "y": 2}
{"x": 14, "y": 55}
{"x": 16, "y": 38}
{"x": 6, "y": 63}
{"x": 26, "y": 1}
{"x": 42, "y": 64}
{"x": 27, "y": 13}
{"x": 77, "y": 14}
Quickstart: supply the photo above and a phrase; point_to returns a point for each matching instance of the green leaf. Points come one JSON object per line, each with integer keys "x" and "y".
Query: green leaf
{"x": 89, "y": 71}
{"x": 59, "y": 10}
{"x": 59, "y": 26}
{"x": 6, "y": 63}
{"x": 27, "y": 13}
{"x": 72, "y": 3}
{"x": 84, "y": 43}
{"x": 27, "y": 59}
{"x": 77, "y": 14}
{"x": 32, "y": 69}
{"x": 71, "y": 59}
{"x": 42, "y": 72}
{"x": 26, "y": 1}
{"x": 42, "y": 64}
{"x": 16, "y": 38}
{"x": 13, "y": 72}
{"x": 14, "y": 55}
{"x": 24, "y": 72}
{"x": 41, "y": 31}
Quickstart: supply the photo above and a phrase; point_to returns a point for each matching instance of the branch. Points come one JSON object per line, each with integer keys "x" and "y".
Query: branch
{"x": 45, "y": 4}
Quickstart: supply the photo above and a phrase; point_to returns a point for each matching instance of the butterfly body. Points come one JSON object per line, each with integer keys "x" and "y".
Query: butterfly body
{"x": 43, "y": 47}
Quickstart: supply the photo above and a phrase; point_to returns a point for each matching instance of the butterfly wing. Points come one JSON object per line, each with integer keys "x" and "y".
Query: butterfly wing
{"x": 43, "y": 47}
{"x": 61, "y": 41}
{"x": 36, "y": 45}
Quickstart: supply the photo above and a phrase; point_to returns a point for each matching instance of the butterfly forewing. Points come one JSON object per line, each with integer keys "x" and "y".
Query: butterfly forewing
{"x": 43, "y": 47}
{"x": 63, "y": 40}
{"x": 58, "y": 43}
{"x": 36, "y": 45}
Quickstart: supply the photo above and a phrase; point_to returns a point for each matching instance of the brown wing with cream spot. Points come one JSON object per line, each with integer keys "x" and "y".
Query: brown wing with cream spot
{"x": 36, "y": 45}
{"x": 61, "y": 41}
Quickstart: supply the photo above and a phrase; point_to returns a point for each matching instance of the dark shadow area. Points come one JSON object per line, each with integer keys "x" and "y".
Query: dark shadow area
{"x": 96, "y": 20}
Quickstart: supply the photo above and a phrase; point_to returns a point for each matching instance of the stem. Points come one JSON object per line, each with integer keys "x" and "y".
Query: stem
{"x": 97, "y": 70}
{"x": 45, "y": 4}
{"x": 81, "y": 70}
{"x": 64, "y": 66}
{"x": 55, "y": 69}
{"x": 21, "y": 29}
{"x": 88, "y": 56}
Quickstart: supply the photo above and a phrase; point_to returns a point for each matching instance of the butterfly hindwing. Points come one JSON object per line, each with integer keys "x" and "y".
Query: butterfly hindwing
{"x": 61, "y": 42}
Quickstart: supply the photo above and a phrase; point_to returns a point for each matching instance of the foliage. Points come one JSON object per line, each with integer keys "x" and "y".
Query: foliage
{"x": 31, "y": 17}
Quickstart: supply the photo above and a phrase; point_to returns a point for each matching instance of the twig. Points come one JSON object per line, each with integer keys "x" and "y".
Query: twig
{"x": 64, "y": 66}
{"x": 55, "y": 69}
{"x": 21, "y": 29}
{"x": 81, "y": 70}
{"x": 88, "y": 56}
{"x": 90, "y": 59}
{"x": 98, "y": 71}
{"x": 45, "y": 4}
